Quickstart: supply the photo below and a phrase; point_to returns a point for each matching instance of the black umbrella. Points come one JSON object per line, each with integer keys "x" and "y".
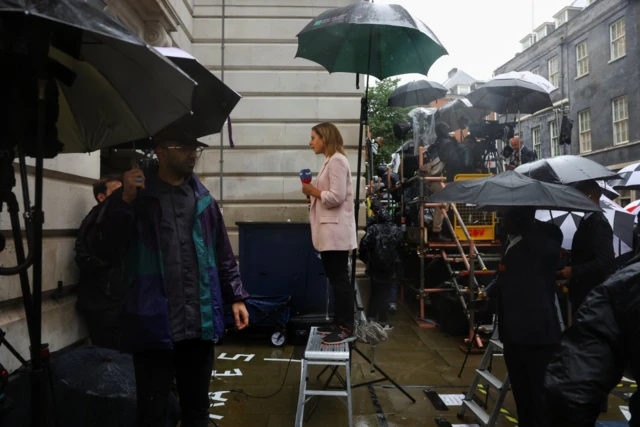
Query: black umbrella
{"x": 421, "y": 92}
{"x": 565, "y": 170}
{"x": 97, "y": 387}
{"x": 514, "y": 92}
{"x": 213, "y": 102}
{"x": 76, "y": 76}
{"x": 458, "y": 114}
{"x": 111, "y": 87}
{"x": 379, "y": 40}
{"x": 511, "y": 188}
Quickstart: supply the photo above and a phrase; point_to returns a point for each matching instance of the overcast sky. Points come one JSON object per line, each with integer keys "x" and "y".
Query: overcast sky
{"x": 479, "y": 35}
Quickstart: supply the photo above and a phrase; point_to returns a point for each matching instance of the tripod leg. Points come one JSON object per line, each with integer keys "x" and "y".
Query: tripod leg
{"x": 14, "y": 209}
{"x": 387, "y": 377}
{"x": 466, "y": 356}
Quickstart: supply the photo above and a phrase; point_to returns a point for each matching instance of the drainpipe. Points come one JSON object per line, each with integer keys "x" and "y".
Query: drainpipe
{"x": 221, "y": 199}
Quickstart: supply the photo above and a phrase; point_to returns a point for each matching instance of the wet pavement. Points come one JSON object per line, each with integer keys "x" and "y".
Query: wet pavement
{"x": 266, "y": 383}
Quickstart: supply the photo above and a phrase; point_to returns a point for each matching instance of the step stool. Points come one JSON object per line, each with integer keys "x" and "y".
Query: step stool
{"x": 330, "y": 356}
{"x": 486, "y": 420}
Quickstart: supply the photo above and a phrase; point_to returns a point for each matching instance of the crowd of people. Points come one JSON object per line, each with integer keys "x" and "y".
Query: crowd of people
{"x": 157, "y": 266}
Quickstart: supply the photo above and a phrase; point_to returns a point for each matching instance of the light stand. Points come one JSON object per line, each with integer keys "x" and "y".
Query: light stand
{"x": 38, "y": 47}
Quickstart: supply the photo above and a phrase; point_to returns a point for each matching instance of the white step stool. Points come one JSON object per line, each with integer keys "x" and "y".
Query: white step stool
{"x": 329, "y": 356}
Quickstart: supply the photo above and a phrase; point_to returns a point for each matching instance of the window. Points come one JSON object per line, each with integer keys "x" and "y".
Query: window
{"x": 584, "y": 125}
{"x": 554, "y": 71}
{"x": 620, "y": 120}
{"x": 625, "y": 197}
{"x": 555, "y": 138}
{"x": 534, "y": 36}
{"x": 535, "y": 140}
{"x": 582, "y": 58}
{"x": 618, "y": 39}
{"x": 463, "y": 90}
{"x": 535, "y": 71}
{"x": 561, "y": 19}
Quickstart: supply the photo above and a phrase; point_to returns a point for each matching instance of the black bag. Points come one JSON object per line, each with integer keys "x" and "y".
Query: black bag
{"x": 565, "y": 130}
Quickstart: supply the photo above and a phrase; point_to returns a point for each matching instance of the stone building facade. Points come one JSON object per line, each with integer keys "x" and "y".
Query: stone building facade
{"x": 283, "y": 98}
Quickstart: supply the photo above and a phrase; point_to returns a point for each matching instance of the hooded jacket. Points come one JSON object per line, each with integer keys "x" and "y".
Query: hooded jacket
{"x": 385, "y": 237}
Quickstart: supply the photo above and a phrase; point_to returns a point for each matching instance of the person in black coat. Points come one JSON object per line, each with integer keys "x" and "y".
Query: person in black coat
{"x": 521, "y": 154}
{"x": 592, "y": 256}
{"x": 528, "y": 323}
{"x": 100, "y": 287}
{"x": 596, "y": 351}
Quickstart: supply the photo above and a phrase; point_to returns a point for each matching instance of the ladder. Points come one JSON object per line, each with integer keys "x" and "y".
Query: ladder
{"x": 329, "y": 356}
{"x": 482, "y": 374}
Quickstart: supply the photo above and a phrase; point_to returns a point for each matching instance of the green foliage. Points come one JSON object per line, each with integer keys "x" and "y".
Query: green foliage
{"x": 382, "y": 118}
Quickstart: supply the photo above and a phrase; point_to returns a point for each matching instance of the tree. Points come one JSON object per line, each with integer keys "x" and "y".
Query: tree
{"x": 381, "y": 118}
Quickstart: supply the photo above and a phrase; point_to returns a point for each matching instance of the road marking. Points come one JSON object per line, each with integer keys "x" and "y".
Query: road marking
{"x": 248, "y": 357}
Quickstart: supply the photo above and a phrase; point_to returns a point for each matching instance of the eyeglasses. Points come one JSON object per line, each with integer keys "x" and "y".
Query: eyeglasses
{"x": 186, "y": 149}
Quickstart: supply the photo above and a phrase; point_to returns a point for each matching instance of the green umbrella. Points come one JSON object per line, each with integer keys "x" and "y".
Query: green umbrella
{"x": 381, "y": 40}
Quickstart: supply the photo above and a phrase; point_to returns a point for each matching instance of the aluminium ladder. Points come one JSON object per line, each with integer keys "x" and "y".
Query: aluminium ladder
{"x": 486, "y": 419}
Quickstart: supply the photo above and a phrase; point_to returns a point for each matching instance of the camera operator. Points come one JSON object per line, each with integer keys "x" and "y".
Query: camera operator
{"x": 521, "y": 154}
{"x": 438, "y": 152}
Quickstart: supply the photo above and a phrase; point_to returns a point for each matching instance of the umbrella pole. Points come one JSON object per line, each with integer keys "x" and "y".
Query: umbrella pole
{"x": 221, "y": 200}
{"x": 363, "y": 122}
{"x": 521, "y": 135}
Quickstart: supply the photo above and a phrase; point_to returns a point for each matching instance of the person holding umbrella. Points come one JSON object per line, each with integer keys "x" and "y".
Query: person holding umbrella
{"x": 528, "y": 322}
{"x": 592, "y": 256}
{"x": 179, "y": 270}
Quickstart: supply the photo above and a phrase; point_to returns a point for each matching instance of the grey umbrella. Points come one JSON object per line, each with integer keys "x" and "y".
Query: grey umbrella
{"x": 565, "y": 170}
{"x": 421, "y": 92}
{"x": 459, "y": 113}
{"x": 111, "y": 86}
{"x": 511, "y": 188}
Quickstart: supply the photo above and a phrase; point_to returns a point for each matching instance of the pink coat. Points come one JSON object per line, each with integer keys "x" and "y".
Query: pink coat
{"x": 333, "y": 224}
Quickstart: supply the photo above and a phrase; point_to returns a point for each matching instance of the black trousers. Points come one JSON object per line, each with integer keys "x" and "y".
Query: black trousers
{"x": 526, "y": 365}
{"x": 379, "y": 300}
{"x": 336, "y": 267}
{"x": 103, "y": 326}
{"x": 191, "y": 362}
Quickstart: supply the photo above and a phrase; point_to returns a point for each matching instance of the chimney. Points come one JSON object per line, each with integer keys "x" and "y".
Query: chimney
{"x": 452, "y": 72}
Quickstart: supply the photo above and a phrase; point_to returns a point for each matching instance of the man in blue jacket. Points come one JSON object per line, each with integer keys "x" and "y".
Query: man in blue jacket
{"x": 179, "y": 270}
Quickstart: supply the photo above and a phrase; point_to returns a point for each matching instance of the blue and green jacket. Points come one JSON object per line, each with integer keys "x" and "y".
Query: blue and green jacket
{"x": 130, "y": 233}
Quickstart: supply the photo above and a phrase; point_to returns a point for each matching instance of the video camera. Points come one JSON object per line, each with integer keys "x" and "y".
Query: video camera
{"x": 491, "y": 130}
{"x": 401, "y": 130}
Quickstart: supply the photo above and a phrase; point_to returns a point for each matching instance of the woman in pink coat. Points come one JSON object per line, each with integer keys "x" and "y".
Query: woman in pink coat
{"x": 333, "y": 226}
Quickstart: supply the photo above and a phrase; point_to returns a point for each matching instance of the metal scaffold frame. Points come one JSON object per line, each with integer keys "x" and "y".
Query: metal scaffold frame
{"x": 468, "y": 261}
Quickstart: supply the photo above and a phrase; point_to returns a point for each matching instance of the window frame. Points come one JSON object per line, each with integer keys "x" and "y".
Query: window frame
{"x": 613, "y": 42}
{"x": 535, "y": 71}
{"x": 620, "y": 120}
{"x": 553, "y": 124}
{"x": 537, "y": 146}
{"x": 557, "y": 71}
{"x": 584, "y": 59}
{"x": 584, "y": 132}
{"x": 462, "y": 93}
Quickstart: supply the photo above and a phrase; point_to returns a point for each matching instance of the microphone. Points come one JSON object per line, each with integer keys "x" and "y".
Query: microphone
{"x": 305, "y": 177}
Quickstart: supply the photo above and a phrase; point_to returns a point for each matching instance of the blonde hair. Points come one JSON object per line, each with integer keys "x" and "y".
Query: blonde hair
{"x": 332, "y": 139}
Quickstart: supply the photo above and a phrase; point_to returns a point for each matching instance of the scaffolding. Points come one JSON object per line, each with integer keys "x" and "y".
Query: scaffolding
{"x": 464, "y": 256}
